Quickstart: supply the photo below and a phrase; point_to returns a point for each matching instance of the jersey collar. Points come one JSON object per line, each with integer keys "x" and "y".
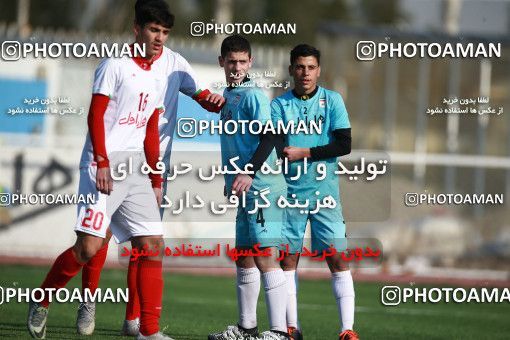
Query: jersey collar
{"x": 306, "y": 96}
{"x": 144, "y": 63}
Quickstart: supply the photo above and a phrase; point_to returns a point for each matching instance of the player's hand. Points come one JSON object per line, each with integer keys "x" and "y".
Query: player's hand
{"x": 216, "y": 99}
{"x": 295, "y": 154}
{"x": 213, "y": 102}
{"x": 104, "y": 181}
{"x": 241, "y": 184}
{"x": 159, "y": 195}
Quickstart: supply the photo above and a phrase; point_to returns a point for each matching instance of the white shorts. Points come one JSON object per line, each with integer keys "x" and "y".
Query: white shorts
{"x": 130, "y": 210}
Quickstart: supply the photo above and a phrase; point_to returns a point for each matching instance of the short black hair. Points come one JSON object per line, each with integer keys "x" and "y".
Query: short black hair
{"x": 304, "y": 50}
{"x": 235, "y": 43}
{"x": 156, "y": 11}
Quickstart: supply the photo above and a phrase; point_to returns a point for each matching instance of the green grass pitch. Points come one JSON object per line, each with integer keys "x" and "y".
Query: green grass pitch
{"x": 194, "y": 306}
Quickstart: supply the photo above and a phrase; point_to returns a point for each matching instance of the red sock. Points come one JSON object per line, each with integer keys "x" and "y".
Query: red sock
{"x": 64, "y": 269}
{"x": 150, "y": 293}
{"x": 91, "y": 272}
{"x": 133, "y": 305}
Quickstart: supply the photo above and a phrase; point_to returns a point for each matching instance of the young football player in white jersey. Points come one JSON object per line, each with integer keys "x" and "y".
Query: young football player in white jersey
{"x": 246, "y": 102}
{"x": 305, "y": 102}
{"x": 128, "y": 95}
{"x": 180, "y": 77}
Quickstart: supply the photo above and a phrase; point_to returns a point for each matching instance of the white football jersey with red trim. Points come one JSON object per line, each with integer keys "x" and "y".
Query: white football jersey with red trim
{"x": 135, "y": 92}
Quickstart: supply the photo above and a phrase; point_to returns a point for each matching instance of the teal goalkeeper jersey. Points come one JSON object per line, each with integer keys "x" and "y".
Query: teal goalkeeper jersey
{"x": 243, "y": 104}
{"x": 324, "y": 106}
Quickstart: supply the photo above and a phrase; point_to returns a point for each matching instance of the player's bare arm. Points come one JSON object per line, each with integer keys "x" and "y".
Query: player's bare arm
{"x": 104, "y": 181}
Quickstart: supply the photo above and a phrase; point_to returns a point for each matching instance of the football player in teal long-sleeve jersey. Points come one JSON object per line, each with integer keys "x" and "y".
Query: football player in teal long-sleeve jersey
{"x": 317, "y": 152}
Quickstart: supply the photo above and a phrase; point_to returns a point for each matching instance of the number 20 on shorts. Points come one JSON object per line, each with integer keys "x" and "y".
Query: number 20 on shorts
{"x": 92, "y": 219}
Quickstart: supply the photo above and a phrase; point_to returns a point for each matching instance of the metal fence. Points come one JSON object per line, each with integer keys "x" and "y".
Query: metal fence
{"x": 388, "y": 100}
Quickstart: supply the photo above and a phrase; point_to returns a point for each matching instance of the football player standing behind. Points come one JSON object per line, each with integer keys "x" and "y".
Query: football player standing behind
{"x": 308, "y": 102}
{"x": 245, "y": 102}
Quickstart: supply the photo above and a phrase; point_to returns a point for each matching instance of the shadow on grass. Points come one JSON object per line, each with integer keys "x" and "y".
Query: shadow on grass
{"x": 181, "y": 336}
{"x": 15, "y": 330}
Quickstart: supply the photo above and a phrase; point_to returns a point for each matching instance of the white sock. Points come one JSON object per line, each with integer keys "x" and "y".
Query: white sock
{"x": 292, "y": 313}
{"x": 343, "y": 289}
{"x": 275, "y": 285}
{"x": 248, "y": 288}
